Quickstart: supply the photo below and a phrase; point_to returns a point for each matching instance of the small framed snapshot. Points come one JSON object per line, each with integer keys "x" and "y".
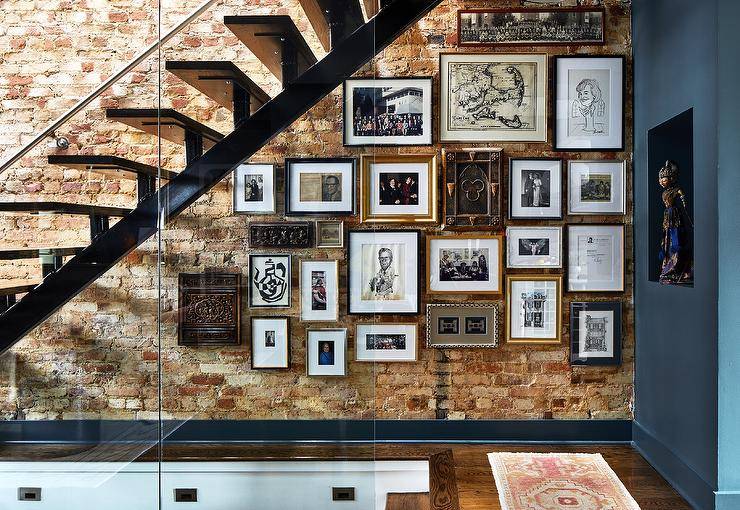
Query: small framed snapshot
{"x": 254, "y": 189}
{"x": 596, "y": 187}
{"x": 493, "y": 97}
{"x": 465, "y": 264}
{"x": 533, "y": 307}
{"x": 589, "y": 103}
{"x": 385, "y": 342}
{"x": 320, "y": 186}
{"x": 388, "y": 111}
{"x": 319, "y": 290}
{"x": 596, "y": 333}
{"x": 534, "y": 247}
{"x": 535, "y": 188}
{"x": 596, "y": 258}
{"x": 326, "y": 352}
{"x": 330, "y": 234}
{"x": 398, "y": 189}
{"x": 269, "y": 280}
{"x": 383, "y": 272}
{"x": 452, "y": 325}
{"x": 270, "y": 343}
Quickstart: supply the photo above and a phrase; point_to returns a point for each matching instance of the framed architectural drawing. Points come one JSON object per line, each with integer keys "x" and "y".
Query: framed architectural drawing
{"x": 320, "y": 186}
{"x": 209, "y": 309}
{"x": 535, "y": 188}
{"x": 493, "y": 97}
{"x": 269, "y": 280}
{"x": 596, "y": 333}
{"x": 326, "y": 352}
{"x": 385, "y": 342}
{"x": 464, "y": 264}
{"x": 270, "y": 342}
{"x": 534, "y": 247}
{"x": 472, "y": 188}
{"x": 596, "y": 258}
{"x": 533, "y": 308}
{"x": 452, "y": 325}
{"x": 596, "y": 187}
{"x": 254, "y": 189}
{"x": 319, "y": 290}
{"x": 329, "y": 234}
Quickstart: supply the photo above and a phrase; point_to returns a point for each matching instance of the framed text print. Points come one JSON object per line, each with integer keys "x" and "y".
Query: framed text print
{"x": 595, "y": 258}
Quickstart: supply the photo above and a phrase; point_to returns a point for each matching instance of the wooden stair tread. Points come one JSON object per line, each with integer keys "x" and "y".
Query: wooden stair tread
{"x": 12, "y": 287}
{"x": 319, "y": 13}
{"x": 407, "y": 501}
{"x": 173, "y": 124}
{"x": 63, "y": 208}
{"x": 112, "y": 166}
{"x": 371, "y": 8}
{"x": 32, "y": 253}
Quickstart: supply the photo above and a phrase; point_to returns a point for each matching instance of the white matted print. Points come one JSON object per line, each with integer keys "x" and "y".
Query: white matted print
{"x": 596, "y": 187}
{"x": 386, "y": 342}
{"x": 269, "y": 281}
{"x": 534, "y": 247}
{"x": 254, "y": 189}
{"x": 319, "y": 290}
{"x": 596, "y": 333}
{"x": 535, "y": 188}
{"x": 596, "y": 258}
{"x": 533, "y": 308}
{"x": 320, "y": 186}
{"x": 326, "y": 352}
{"x": 464, "y": 264}
{"x": 270, "y": 342}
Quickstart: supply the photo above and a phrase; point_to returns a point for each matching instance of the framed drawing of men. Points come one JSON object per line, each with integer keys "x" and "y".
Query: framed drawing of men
{"x": 472, "y": 188}
{"x": 254, "y": 189}
{"x": 464, "y": 264}
{"x": 320, "y": 186}
{"x": 535, "y": 188}
{"x": 383, "y": 272}
{"x": 596, "y": 333}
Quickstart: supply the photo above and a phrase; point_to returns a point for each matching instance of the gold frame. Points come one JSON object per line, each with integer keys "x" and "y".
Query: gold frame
{"x": 318, "y": 236}
{"x": 365, "y": 207}
{"x": 558, "y": 279}
{"x": 416, "y": 347}
{"x": 500, "y": 238}
{"x": 300, "y": 289}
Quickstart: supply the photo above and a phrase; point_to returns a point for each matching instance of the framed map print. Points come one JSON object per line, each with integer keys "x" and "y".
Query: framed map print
{"x": 320, "y": 186}
{"x": 595, "y": 258}
{"x": 493, "y": 97}
{"x": 596, "y": 187}
{"x": 596, "y": 333}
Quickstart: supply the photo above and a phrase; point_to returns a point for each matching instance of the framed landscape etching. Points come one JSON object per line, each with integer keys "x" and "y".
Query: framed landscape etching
{"x": 326, "y": 352}
{"x": 596, "y": 333}
{"x": 269, "y": 280}
{"x": 319, "y": 290}
{"x": 320, "y": 186}
{"x": 270, "y": 343}
{"x": 385, "y": 342}
{"x": 493, "y": 97}
{"x": 453, "y": 325}
{"x": 596, "y": 187}
{"x": 464, "y": 264}
{"x": 534, "y": 247}
{"x": 535, "y": 188}
{"x": 472, "y": 188}
{"x": 254, "y": 189}
{"x": 533, "y": 308}
{"x": 596, "y": 258}
{"x": 329, "y": 234}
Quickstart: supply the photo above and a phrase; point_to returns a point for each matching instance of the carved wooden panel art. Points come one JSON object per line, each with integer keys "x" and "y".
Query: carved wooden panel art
{"x": 209, "y": 309}
{"x": 473, "y": 189}
{"x": 280, "y": 235}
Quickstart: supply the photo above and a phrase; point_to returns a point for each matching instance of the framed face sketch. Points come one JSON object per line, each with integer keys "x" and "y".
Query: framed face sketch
{"x": 383, "y": 272}
{"x": 534, "y": 247}
{"x": 589, "y": 103}
{"x": 330, "y": 234}
{"x": 385, "y": 342}
{"x": 326, "y": 352}
{"x": 535, "y": 189}
{"x": 323, "y": 186}
{"x": 533, "y": 306}
{"x": 269, "y": 281}
{"x": 596, "y": 258}
{"x": 452, "y": 325}
{"x": 464, "y": 264}
{"x": 254, "y": 189}
{"x": 596, "y": 187}
{"x": 319, "y": 290}
{"x": 493, "y": 97}
{"x": 270, "y": 342}
{"x": 472, "y": 188}
{"x": 398, "y": 189}
{"x": 596, "y": 333}
{"x": 388, "y": 111}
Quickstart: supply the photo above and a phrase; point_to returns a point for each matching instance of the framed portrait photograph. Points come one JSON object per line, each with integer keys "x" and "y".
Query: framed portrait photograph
{"x": 596, "y": 333}
{"x": 388, "y": 111}
{"x": 589, "y": 103}
{"x": 254, "y": 189}
{"x": 326, "y": 352}
{"x": 464, "y": 264}
{"x": 319, "y": 290}
{"x": 533, "y": 307}
{"x": 385, "y": 342}
{"x": 493, "y": 97}
{"x": 535, "y": 188}
{"x": 329, "y": 234}
{"x": 596, "y": 187}
{"x": 270, "y": 342}
{"x": 534, "y": 247}
{"x": 596, "y": 258}
{"x": 472, "y": 189}
{"x": 398, "y": 189}
{"x": 383, "y": 272}
{"x": 452, "y": 325}
{"x": 320, "y": 186}
{"x": 269, "y": 280}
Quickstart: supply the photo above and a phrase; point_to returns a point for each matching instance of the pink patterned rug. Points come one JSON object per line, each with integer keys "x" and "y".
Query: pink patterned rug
{"x": 558, "y": 481}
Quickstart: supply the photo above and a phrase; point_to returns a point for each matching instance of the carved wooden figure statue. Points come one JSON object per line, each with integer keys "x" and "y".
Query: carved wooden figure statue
{"x": 676, "y": 249}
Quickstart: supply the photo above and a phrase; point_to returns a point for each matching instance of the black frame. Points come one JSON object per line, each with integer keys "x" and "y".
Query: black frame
{"x": 387, "y": 78}
{"x": 575, "y": 309}
{"x": 418, "y": 271}
{"x": 289, "y": 279}
{"x": 511, "y": 188}
{"x": 251, "y": 342}
{"x": 289, "y": 162}
{"x": 566, "y": 258}
{"x": 554, "y": 106}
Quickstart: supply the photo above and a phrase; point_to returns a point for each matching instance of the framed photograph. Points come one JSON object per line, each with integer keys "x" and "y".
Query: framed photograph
{"x": 319, "y": 290}
{"x": 596, "y": 187}
{"x": 531, "y": 27}
{"x": 596, "y": 333}
{"x": 472, "y": 190}
{"x": 589, "y": 103}
{"x": 533, "y": 306}
{"x": 385, "y": 342}
{"x": 493, "y": 97}
{"x": 398, "y": 189}
{"x": 464, "y": 264}
{"x": 383, "y": 272}
{"x": 283, "y": 235}
{"x": 535, "y": 188}
{"x": 254, "y": 189}
{"x": 269, "y": 280}
{"x": 452, "y": 325}
{"x": 320, "y": 186}
{"x": 388, "y": 111}
{"x": 534, "y": 247}
{"x": 326, "y": 352}
{"x": 270, "y": 343}
{"x": 596, "y": 258}
{"x": 329, "y": 234}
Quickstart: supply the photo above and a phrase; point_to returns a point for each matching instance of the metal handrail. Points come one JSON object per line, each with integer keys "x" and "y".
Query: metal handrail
{"x": 103, "y": 86}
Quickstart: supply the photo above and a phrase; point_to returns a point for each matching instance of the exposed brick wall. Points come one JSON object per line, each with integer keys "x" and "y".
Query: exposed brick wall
{"x": 97, "y": 357}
